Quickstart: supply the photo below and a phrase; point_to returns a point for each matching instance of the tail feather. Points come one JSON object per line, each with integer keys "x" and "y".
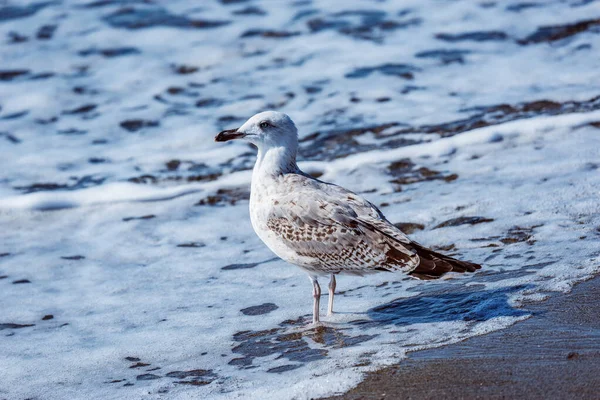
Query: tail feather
{"x": 433, "y": 265}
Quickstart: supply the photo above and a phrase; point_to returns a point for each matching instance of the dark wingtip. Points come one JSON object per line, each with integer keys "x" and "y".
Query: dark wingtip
{"x": 433, "y": 265}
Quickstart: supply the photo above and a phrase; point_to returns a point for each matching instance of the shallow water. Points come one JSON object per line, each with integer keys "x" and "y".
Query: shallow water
{"x": 128, "y": 264}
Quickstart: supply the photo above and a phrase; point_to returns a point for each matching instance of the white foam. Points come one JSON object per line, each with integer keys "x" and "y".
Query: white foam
{"x": 137, "y": 294}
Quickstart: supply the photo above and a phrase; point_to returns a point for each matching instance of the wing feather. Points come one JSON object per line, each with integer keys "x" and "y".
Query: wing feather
{"x": 338, "y": 230}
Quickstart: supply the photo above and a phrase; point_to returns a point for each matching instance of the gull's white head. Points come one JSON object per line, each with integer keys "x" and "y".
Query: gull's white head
{"x": 265, "y": 130}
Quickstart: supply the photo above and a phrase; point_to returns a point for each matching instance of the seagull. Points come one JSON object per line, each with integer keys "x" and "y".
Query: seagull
{"x": 321, "y": 227}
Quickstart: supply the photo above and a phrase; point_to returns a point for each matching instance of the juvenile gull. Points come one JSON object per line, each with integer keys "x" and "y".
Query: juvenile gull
{"x": 321, "y": 227}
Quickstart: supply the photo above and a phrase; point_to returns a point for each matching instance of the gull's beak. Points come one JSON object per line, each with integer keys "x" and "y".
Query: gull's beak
{"x": 229, "y": 134}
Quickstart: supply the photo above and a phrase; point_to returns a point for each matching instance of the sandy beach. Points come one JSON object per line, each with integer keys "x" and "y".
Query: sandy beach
{"x": 553, "y": 355}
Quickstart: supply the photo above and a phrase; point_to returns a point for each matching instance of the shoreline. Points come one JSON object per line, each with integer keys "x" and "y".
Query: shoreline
{"x": 554, "y": 354}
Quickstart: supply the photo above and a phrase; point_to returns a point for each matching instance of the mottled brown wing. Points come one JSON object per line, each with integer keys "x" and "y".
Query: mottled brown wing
{"x": 430, "y": 264}
{"x": 338, "y": 230}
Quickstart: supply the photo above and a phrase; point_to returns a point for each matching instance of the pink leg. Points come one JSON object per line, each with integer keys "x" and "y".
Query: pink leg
{"x": 331, "y": 294}
{"x": 317, "y": 298}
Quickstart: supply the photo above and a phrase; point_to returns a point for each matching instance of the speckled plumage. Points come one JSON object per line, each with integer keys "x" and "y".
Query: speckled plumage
{"x": 321, "y": 227}
{"x": 325, "y": 229}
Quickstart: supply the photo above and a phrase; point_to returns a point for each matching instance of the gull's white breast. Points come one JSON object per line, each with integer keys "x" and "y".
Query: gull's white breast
{"x": 264, "y": 195}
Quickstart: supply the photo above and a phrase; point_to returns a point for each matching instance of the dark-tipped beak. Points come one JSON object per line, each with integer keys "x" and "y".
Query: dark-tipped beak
{"x": 229, "y": 134}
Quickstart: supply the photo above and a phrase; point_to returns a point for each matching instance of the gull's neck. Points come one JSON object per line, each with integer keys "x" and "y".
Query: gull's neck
{"x": 275, "y": 161}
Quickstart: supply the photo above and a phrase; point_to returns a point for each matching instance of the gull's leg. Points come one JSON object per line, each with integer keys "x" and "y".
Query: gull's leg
{"x": 317, "y": 297}
{"x": 331, "y": 294}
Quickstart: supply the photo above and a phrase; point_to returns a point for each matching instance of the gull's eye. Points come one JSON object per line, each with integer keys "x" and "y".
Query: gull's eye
{"x": 264, "y": 125}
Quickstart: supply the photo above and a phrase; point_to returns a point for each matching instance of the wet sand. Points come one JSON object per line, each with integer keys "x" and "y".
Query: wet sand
{"x": 553, "y": 355}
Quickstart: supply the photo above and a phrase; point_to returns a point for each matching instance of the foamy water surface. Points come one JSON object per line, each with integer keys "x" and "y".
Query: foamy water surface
{"x": 128, "y": 265}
